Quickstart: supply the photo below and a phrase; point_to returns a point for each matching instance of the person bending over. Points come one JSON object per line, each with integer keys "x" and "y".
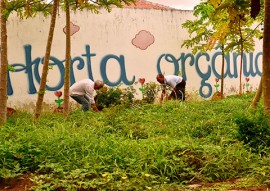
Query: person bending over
{"x": 176, "y": 82}
{"x": 83, "y": 93}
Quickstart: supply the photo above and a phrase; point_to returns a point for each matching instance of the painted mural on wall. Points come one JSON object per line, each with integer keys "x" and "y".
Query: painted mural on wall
{"x": 127, "y": 54}
{"x": 143, "y": 40}
{"x": 73, "y": 29}
{"x": 31, "y": 65}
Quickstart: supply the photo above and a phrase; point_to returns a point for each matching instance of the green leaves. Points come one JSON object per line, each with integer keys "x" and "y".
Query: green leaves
{"x": 254, "y": 131}
{"x": 95, "y": 6}
{"x": 220, "y": 22}
{"x": 29, "y": 8}
{"x": 26, "y": 9}
{"x": 148, "y": 146}
{"x": 204, "y": 10}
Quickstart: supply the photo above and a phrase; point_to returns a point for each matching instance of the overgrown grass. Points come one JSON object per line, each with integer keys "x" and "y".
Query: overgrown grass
{"x": 146, "y": 146}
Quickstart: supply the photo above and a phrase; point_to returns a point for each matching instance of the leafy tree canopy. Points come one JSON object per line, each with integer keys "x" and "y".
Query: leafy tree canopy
{"x": 29, "y": 8}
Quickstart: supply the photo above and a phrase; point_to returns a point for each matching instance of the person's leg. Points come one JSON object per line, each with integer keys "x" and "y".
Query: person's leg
{"x": 181, "y": 88}
{"x": 83, "y": 100}
{"x": 86, "y": 106}
{"x": 182, "y": 93}
{"x": 173, "y": 95}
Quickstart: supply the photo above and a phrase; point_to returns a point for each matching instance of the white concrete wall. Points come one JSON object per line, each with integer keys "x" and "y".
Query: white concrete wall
{"x": 109, "y": 37}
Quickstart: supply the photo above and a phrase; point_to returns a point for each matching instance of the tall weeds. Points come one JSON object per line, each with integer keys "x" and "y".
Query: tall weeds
{"x": 150, "y": 146}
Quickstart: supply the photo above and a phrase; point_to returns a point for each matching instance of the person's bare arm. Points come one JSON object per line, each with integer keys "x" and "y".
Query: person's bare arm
{"x": 95, "y": 107}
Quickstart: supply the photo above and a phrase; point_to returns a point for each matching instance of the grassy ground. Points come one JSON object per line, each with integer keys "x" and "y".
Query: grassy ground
{"x": 169, "y": 146}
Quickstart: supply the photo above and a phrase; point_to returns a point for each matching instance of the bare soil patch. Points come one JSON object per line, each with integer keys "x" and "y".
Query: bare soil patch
{"x": 23, "y": 183}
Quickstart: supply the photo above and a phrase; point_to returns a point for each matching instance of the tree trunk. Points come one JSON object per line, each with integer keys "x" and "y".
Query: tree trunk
{"x": 67, "y": 64}
{"x": 222, "y": 71}
{"x": 45, "y": 70}
{"x": 241, "y": 61}
{"x": 257, "y": 97}
{"x": 266, "y": 58}
{"x": 4, "y": 67}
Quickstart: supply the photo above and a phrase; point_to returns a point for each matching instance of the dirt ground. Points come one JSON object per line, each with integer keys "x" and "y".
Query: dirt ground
{"x": 17, "y": 184}
{"x": 24, "y": 184}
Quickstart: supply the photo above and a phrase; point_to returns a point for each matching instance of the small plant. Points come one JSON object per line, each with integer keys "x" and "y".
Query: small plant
{"x": 59, "y": 101}
{"x": 127, "y": 95}
{"x": 151, "y": 90}
{"x": 107, "y": 97}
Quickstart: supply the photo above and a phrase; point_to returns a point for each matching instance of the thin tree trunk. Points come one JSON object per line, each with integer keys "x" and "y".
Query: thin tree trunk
{"x": 266, "y": 58}
{"x": 257, "y": 97}
{"x": 4, "y": 67}
{"x": 45, "y": 70}
{"x": 67, "y": 64}
{"x": 241, "y": 61}
{"x": 222, "y": 71}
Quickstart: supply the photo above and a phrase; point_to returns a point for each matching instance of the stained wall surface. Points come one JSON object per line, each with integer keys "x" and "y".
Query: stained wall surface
{"x": 119, "y": 47}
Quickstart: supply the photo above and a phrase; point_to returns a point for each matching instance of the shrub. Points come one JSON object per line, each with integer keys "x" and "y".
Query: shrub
{"x": 254, "y": 131}
{"x": 151, "y": 90}
{"x": 107, "y": 97}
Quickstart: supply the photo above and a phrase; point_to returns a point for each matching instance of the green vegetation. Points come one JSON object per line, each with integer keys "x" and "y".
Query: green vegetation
{"x": 141, "y": 147}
